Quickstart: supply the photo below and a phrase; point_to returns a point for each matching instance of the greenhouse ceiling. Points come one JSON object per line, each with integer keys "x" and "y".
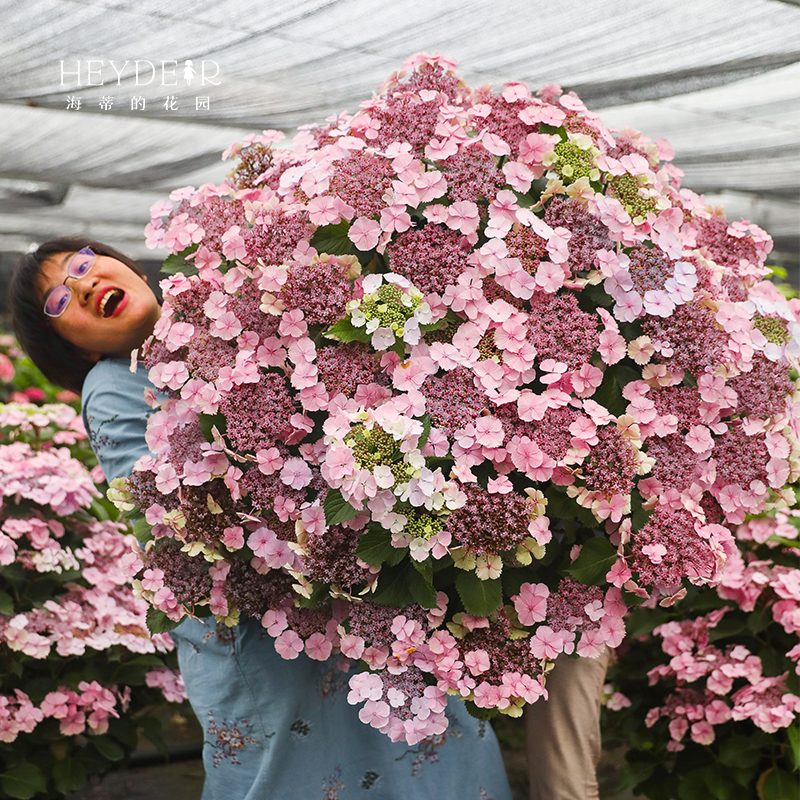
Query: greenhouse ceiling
{"x": 107, "y": 105}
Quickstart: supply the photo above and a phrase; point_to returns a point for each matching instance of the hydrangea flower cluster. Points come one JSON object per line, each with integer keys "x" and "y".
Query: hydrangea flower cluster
{"x": 765, "y": 700}
{"x": 723, "y": 670}
{"x": 401, "y": 360}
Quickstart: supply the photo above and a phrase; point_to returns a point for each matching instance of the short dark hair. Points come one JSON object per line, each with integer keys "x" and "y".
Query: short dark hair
{"x": 60, "y": 361}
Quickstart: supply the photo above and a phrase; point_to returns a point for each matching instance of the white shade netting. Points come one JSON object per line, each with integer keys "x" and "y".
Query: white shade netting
{"x": 719, "y": 80}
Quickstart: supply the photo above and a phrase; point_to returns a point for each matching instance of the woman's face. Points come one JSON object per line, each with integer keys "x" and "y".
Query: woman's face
{"x": 112, "y": 309}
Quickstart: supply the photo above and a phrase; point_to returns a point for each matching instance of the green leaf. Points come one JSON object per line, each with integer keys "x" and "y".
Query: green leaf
{"x": 480, "y": 713}
{"x": 207, "y": 422}
{"x": 333, "y": 239}
{"x": 375, "y": 547}
{"x": 596, "y": 296}
{"x": 595, "y": 560}
{"x": 759, "y": 619}
{"x": 151, "y": 727}
{"x": 426, "y": 430}
{"x": 108, "y": 748}
{"x": 23, "y": 781}
{"x": 639, "y": 517}
{"x": 744, "y": 777}
{"x": 176, "y": 262}
{"x": 337, "y": 509}
{"x": 69, "y": 775}
{"x": 124, "y": 730}
{"x": 6, "y": 604}
{"x": 131, "y": 513}
{"x": 720, "y": 783}
{"x": 393, "y": 587}
{"x": 609, "y": 394}
{"x": 793, "y": 732}
{"x": 142, "y": 530}
{"x": 785, "y": 542}
{"x": 159, "y": 622}
{"x": 146, "y": 660}
{"x": 318, "y": 593}
{"x": 740, "y": 751}
{"x": 732, "y": 624}
{"x": 425, "y": 568}
{"x": 345, "y": 331}
{"x": 634, "y": 773}
{"x": 420, "y": 585}
{"x": 99, "y": 510}
{"x": 692, "y": 786}
{"x": 644, "y": 621}
{"x": 778, "y": 785}
{"x": 480, "y": 598}
{"x": 524, "y": 199}
{"x": 563, "y": 507}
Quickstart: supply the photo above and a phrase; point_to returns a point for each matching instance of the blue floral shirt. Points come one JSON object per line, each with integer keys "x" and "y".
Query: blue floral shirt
{"x": 277, "y": 729}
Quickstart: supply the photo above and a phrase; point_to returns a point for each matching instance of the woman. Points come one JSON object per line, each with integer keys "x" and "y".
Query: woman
{"x": 274, "y": 728}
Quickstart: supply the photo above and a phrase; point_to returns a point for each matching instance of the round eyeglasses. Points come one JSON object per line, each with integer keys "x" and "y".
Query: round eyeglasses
{"x": 57, "y": 300}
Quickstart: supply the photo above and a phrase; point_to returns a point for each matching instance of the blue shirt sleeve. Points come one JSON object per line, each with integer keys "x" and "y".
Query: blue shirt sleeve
{"x": 115, "y": 415}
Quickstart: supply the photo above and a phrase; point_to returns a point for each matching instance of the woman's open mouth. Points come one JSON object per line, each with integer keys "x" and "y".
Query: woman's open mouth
{"x": 110, "y": 302}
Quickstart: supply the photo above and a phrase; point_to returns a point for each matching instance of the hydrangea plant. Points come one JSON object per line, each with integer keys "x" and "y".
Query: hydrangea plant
{"x": 81, "y": 672}
{"x": 448, "y": 385}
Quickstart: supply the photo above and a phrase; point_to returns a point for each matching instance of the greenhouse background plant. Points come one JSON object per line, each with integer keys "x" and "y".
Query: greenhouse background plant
{"x": 81, "y": 676}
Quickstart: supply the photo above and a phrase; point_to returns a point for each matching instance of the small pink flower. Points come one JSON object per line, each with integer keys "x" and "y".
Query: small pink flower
{"x": 365, "y": 686}
{"x": 293, "y": 324}
{"x": 611, "y": 346}
{"x": 227, "y": 326}
{"x": 395, "y": 218}
{"x": 153, "y": 580}
{"x": 233, "y": 538}
{"x": 546, "y": 643}
{"x": 318, "y": 647}
{"x": 535, "y": 146}
{"x": 339, "y": 463}
{"x": 518, "y": 175}
{"x": 375, "y": 713}
{"x": 289, "y": 645}
{"x": 477, "y": 661}
{"x": 324, "y": 210}
{"x": 628, "y": 307}
{"x": 269, "y": 461}
{"x": 655, "y": 552}
{"x": 549, "y": 277}
{"x": 296, "y": 473}
{"x": 463, "y": 216}
{"x": 167, "y": 479}
{"x": 195, "y": 474}
{"x": 430, "y": 185}
{"x": 351, "y": 646}
{"x": 489, "y": 431}
{"x": 233, "y": 244}
{"x": 275, "y": 622}
{"x": 440, "y": 149}
{"x": 531, "y": 603}
{"x": 74, "y": 724}
{"x": 591, "y": 644}
{"x": 260, "y": 541}
{"x": 313, "y": 519}
{"x": 613, "y": 630}
{"x": 699, "y": 439}
{"x": 499, "y": 485}
{"x": 702, "y": 733}
{"x": 586, "y": 380}
{"x": 364, "y": 233}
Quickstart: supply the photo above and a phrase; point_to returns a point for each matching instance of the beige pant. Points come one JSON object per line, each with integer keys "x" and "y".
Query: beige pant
{"x": 563, "y": 733}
